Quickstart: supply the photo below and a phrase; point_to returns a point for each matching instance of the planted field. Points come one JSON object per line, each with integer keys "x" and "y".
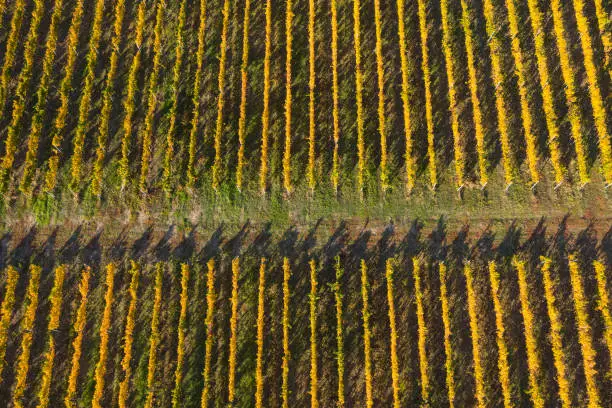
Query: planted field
{"x": 309, "y": 101}
{"x": 343, "y": 139}
{"x": 251, "y": 320}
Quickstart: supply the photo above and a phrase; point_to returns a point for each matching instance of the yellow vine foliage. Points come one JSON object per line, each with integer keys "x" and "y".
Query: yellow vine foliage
{"x": 288, "y": 100}
{"x": 533, "y": 354}
{"x": 107, "y": 100}
{"x": 261, "y": 293}
{"x": 128, "y": 337}
{"x": 433, "y": 175}
{"x": 311, "y": 95}
{"x": 286, "y": 324}
{"x": 571, "y": 88}
{"x": 500, "y": 330}
{"x": 339, "y": 332}
{"x": 556, "y": 330}
{"x": 78, "y": 328}
{"x": 335, "y": 176}
{"x": 180, "y": 345}
{"x": 2, "y": 7}
{"x": 359, "y": 95}
{"x": 243, "y": 94}
{"x": 448, "y": 344}
{"x": 604, "y": 32}
{"x": 55, "y": 299}
{"x": 314, "y": 380}
{"x": 148, "y": 129}
{"x": 367, "y": 348}
{"x": 12, "y": 40}
{"x": 6, "y": 311}
{"x": 585, "y": 335}
{"x": 128, "y": 104}
{"x": 233, "y": 344}
{"x": 176, "y": 79}
{"x": 27, "y": 329}
{"x": 476, "y": 108}
{"x": 401, "y": 33}
{"x": 65, "y": 88}
{"x": 41, "y": 100}
{"x": 85, "y": 103}
{"x": 21, "y": 93}
{"x": 473, "y": 312}
{"x": 105, "y": 327}
{"x": 265, "y": 116}
{"x": 221, "y": 99}
{"x": 600, "y": 113}
{"x": 210, "y": 316}
{"x": 197, "y": 84}
{"x": 380, "y": 70}
{"x": 155, "y": 335}
{"x": 541, "y": 52}
{"x": 422, "y": 329}
{"x": 604, "y": 305}
{"x": 393, "y": 334}
{"x": 499, "y": 82}
{"x": 525, "y": 96}
{"x": 449, "y": 58}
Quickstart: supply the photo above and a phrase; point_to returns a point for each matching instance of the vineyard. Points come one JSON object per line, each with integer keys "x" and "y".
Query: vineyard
{"x": 324, "y": 203}
{"x": 231, "y": 102}
{"x": 250, "y": 320}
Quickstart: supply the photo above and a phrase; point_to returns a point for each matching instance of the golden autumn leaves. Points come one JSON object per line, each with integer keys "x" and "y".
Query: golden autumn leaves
{"x": 150, "y": 31}
{"x": 475, "y": 278}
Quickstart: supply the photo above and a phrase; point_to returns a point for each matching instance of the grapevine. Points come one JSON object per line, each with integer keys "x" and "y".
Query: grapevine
{"x": 77, "y": 342}
{"x": 556, "y": 330}
{"x": 448, "y": 345}
{"x": 26, "y": 327}
{"x": 210, "y": 315}
{"x": 367, "y": 348}
{"x": 533, "y": 354}
{"x": 154, "y": 339}
{"x": 216, "y": 169}
{"x": 55, "y": 299}
{"x": 128, "y": 337}
{"x": 393, "y": 334}
{"x": 422, "y": 331}
{"x": 107, "y": 100}
{"x": 105, "y": 328}
{"x": 65, "y": 88}
{"x": 128, "y": 104}
{"x": 243, "y": 94}
{"x": 86, "y": 96}
{"x": 585, "y": 335}
{"x": 6, "y": 312}
{"x": 148, "y": 129}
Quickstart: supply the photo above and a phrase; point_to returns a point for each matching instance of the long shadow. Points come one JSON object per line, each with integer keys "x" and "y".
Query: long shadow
{"x": 606, "y": 247}
{"x": 5, "y": 242}
{"x": 91, "y": 254}
{"x": 435, "y": 245}
{"x": 162, "y": 250}
{"x": 287, "y": 242}
{"x": 71, "y": 248}
{"x": 260, "y": 245}
{"x": 141, "y": 245}
{"x": 233, "y": 246}
{"x": 22, "y": 253}
{"x": 118, "y": 248}
{"x": 212, "y": 248}
{"x": 186, "y": 247}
